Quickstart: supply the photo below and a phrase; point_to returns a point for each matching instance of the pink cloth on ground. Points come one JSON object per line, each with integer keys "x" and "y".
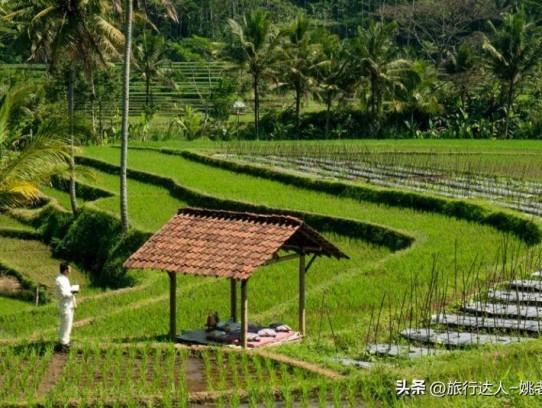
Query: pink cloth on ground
{"x": 267, "y": 340}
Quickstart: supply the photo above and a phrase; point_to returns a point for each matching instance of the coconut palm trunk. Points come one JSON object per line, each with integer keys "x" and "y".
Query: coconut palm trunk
{"x": 297, "y": 102}
{"x": 93, "y": 101}
{"x": 125, "y": 116}
{"x": 256, "y": 106}
{"x": 147, "y": 89}
{"x": 509, "y": 102}
{"x": 71, "y": 114}
{"x": 329, "y": 103}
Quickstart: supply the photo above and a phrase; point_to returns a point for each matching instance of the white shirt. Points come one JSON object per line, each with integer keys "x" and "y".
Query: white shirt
{"x": 66, "y": 299}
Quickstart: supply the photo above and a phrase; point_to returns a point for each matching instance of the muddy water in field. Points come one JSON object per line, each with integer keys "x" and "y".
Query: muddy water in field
{"x": 195, "y": 374}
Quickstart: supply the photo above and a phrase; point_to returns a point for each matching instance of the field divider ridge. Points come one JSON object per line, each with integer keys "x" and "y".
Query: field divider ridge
{"x": 528, "y": 230}
{"x": 373, "y": 233}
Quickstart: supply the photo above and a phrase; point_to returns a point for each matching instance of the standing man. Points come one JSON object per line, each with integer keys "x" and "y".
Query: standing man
{"x": 66, "y": 304}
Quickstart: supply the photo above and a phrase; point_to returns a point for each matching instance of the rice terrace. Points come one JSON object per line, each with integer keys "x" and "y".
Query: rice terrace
{"x": 270, "y": 204}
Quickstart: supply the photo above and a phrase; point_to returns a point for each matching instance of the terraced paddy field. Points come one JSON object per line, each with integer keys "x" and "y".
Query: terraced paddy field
{"x": 409, "y": 264}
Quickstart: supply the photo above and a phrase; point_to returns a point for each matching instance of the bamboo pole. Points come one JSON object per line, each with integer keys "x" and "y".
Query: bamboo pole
{"x": 172, "y": 305}
{"x": 302, "y": 293}
{"x": 244, "y": 313}
{"x": 233, "y": 299}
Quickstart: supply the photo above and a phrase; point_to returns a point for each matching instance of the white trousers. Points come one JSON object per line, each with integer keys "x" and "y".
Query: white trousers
{"x": 66, "y": 320}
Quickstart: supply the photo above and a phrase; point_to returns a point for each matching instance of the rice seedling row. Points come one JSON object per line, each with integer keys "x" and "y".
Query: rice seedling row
{"x": 94, "y": 372}
{"x": 514, "y": 194}
{"x": 518, "y": 159}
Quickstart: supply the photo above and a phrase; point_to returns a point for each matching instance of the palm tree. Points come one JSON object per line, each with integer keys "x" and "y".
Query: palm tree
{"x": 332, "y": 72}
{"x": 298, "y": 58}
{"x": 68, "y": 35}
{"x": 149, "y": 56}
{"x": 462, "y": 69}
{"x": 419, "y": 91}
{"x": 25, "y": 161}
{"x": 254, "y": 49}
{"x": 512, "y": 53}
{"x": 127, "y": 57}
{"x": 379, "y": 64}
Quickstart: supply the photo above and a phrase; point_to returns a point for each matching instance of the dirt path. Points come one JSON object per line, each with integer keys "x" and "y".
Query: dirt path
{"x": 113, "y": 293}
{"x": 52, "y": 373}
{"x": 314, "y": 368}
{"x": 9, "y": 284}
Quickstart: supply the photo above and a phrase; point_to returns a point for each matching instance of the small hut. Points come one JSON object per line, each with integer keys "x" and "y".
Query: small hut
{"x": 231, "y": 245}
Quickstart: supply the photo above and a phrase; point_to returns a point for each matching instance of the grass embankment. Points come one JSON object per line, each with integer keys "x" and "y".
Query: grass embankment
{"x": 357, "y": 287}
{"x": 7, "y": 222}
{"x": 141, "y": 196}
{"x": 30, "y": 262}
{"x": 34, "y": 260}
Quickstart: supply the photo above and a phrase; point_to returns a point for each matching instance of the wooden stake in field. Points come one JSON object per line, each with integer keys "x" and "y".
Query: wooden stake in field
{"x": 172, "y": 305}
{"x": 244, "y": 313}
{"x": 233, "y": 300}
{"x": 302, "y": 293}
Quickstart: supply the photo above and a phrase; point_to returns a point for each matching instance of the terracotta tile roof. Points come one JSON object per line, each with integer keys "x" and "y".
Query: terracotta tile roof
{"x": 225, "y": 244}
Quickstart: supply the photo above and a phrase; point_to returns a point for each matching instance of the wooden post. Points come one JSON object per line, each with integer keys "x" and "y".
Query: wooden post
{"x": 244, "y": 313}
{"x": 302, "y": 293}
{"x": 233, "y": 300}
{"x": 172, "y": 305}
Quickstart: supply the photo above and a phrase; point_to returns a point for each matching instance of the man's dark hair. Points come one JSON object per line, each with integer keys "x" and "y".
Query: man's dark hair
{"x": 64, "y": 266}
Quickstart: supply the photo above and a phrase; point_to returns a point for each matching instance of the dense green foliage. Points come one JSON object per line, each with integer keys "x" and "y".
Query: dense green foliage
{"x": 447, "y": 69}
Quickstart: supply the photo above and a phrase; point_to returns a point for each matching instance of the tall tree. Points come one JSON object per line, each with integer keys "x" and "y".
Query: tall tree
{"x": 459, "y": 68}
{"x": 419, "y": 93}
{"x": 512, "y": 52}
{"x": 127, "y": 58}
{"x": 68, "y": 35}
{"x": 379, "y": 63}
{"x": 333, "y": 72}
{"x": 254, "y": 49}
{"x": 150, "y": 57}
{"x": 437, "y": 26}
{"x": 298, "y": 59}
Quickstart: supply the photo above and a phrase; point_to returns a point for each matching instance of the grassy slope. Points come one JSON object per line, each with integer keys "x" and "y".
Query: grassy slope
{"x": 34, "y": 260}
{"x": 157, "y": 206}
{"x": 150, "y": 210}
{"x": 62, "y": 197}
{"x": 9, "y": 305}
{"x": 142, "y": 198}
{"x": 8, "y": 222}
{"x": 152, "y": 204}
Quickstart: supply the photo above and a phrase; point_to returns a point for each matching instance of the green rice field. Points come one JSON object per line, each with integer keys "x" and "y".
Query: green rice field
{"x": 351, "y": 303}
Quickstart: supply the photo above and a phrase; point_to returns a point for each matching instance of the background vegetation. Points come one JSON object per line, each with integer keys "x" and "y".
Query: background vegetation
{"x": 303, "y": 70}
